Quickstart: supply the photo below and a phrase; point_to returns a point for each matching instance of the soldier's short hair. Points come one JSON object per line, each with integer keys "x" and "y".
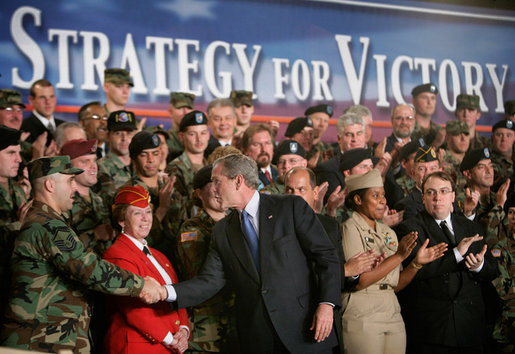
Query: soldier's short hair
{"x": 237, "y": 164}
{"x": 254, "y": 129}
{"x": 349, "y": 118}
{"x": 311, "y": 174}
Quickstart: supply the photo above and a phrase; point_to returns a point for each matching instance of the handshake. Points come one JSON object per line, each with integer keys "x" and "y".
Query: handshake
{"x": 153, "y": 291}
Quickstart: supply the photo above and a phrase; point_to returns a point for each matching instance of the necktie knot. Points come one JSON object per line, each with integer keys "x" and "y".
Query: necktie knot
{"x": 146, "y": 251}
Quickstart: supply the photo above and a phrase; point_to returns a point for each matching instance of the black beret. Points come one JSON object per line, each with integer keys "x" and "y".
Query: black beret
{"x": 353, "y": 157}
{"x": 505, "y": 123}
{"x": 287, "y": 147}
{"x": 472, "y": 157}
{"x": 410, "y": 148}
{"x": 426, "y": 154}
{"x": 296, "y": 126}
{"x": 430, "y": 87}
{"x": 121, "y": 120}
{"x": 8, "y": 137}
{"x": 142, "y": 141}
{"x": 192, "y": 118}
{"x": 202, "y": 177}
{"x": 510, "y": 202}
{"x": 324, "y": 108}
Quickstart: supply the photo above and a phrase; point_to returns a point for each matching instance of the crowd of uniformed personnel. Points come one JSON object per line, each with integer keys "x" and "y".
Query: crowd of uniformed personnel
{"x": 52, "y": 246}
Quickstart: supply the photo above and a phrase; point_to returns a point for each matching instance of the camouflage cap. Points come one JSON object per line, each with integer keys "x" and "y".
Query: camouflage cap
{"x": 371, "y": 179}
{"x": 287, "y": 147}
{"x": 509, "y": 107}
{"x": 182, "y": 99}
{"x": 426, "y": 154}
{"x": 505, "y": 123}
{"x": 192, "y": 118}
{"x": 430, "y": 87}
{"x": 353, "y": 157}
{"x": 296, "y": 126}
{"x": 467, "y": 101}
{"x": 202, "y": 177}
{"x": 117, "y": 76}
{"x": 79, "y": 147}
{"x": 456, "y": 127}
{"x": 8, "y": 137}
{"x": 324, "y": 108}
{"x": 142, "y": 141}
{"x": 45, "y": 166}
{"x": 9, "y": 98}
{"x": 471, "y": 158}
{"x": 121, "y": 120}
{"x": 241, "y": 97}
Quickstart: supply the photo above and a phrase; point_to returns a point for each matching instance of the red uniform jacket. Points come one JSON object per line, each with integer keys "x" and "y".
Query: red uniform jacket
{"x": 136, "y": 327}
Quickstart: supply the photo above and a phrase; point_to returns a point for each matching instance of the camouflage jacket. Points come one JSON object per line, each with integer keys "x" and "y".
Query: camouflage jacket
{"x": 52, "y": 271}
{"x": 428, "y": 134}
{"x": 451, "y": 164}
{"x": 112, "y": 174}
{"x": 212, "y": 322}
{"x": 175, "y": 146}
{"x": 406, "y": 183}
{"x": 486, "y": 211}
{"x": 478, "y": 142}
{"x": 184, "y": 171}
{"x": 503, "y": 168}
{"x": 274, "y": 188}
{"x": 85, "y": 216}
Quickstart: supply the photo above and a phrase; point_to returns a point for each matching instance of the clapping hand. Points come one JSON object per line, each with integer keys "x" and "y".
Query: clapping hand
{"x": 465, "y": 243}
{"x": 359, "y": 263}
{"x": 426, "y": 255}
{"x": 473, "y": 261}
{"x": 407, "y": 244}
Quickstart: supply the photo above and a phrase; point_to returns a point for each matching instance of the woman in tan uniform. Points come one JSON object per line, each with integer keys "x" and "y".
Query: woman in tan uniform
{"x": 372, "y": 321}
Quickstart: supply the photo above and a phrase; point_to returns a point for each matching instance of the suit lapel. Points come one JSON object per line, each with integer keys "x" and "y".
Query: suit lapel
{"x": 435, "y": 231}
{"x": 142, "y": 258}
{"x": 459, "y": 231}
{"x": 239, "y": 244}
{"x": 266, "y": 230}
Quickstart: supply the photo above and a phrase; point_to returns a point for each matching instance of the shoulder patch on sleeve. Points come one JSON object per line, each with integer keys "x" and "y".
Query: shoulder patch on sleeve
{"x": 189, "y": 236}
{"x": 64, "y": 240}
{"x": 496, "y": 252}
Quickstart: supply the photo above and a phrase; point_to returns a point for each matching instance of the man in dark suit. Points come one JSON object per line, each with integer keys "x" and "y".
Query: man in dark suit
{"x": 221, "y": 122}
{"x": 286, "y": 280}
{"x": 42, "y": 98}
{"x": 258, "y": 144}
{"x": 444, "y": 312}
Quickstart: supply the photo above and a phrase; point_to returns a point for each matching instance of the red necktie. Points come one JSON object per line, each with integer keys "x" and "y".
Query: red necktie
{"x": 267, "y": 174}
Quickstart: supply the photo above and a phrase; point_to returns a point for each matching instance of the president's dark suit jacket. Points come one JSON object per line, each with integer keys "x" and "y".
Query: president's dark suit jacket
{"x": 264, "y": 180}
{"x": 283, "y": 297}
{"x": 445, "y": 305}
{"x": 34, "y": 126}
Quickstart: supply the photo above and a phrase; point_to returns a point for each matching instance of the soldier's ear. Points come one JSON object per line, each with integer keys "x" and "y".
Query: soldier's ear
{"x": 49, "y": 185}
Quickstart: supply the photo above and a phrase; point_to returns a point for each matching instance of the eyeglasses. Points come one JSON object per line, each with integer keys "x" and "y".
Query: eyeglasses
{"x": 96, "y": 117}
{"x": 12, "y": 109}
{"x": 432, "y": 192}
{"x": 408, "y": 118}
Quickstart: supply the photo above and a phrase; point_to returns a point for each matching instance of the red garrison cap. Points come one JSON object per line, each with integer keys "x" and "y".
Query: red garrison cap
{"x": 133, "y": 195}
{"x": 78, "y": 147}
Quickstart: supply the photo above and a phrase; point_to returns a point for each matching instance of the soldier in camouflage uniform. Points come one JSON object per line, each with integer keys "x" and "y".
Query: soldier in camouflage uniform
{"x": 89, "y": 217}
{"x": 424, "y": 100}
{"x": 13, "y": 204}
{"x": 181, "y": 103}
{"x": 289, "y": 154}
{"x": 212, "y": 322}
{"x": 457, "y": 139}
{"x": 468, "y": 111}
{"x": 117, "y": 87}
{"x": 501, "y": 243}
{"x": 48, "y": 309}
{"x": 320, "y": 116}
{"x": 168, "y": 210}
{"x": 194, "y": 135}
{"x": 407, "y": 160}
{"x": 503, "y": 136}
{"x": 244, "y": 109}
{"x": 114, "y": 169}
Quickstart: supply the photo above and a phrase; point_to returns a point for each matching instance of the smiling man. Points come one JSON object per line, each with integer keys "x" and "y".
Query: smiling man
{"x": 11, "y": 109}
{"x": 93, "y": 119}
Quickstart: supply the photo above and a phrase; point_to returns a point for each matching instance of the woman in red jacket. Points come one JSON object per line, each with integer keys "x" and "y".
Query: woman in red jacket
{"x": 134, "y": 326}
